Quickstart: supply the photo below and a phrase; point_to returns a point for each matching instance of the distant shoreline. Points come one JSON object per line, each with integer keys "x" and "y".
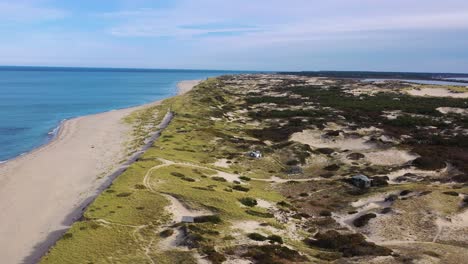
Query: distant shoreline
{"x": 64, "y": 175}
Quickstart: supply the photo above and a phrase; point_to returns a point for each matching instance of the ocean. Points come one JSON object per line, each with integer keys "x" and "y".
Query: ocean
{"x": 35, "y": 100}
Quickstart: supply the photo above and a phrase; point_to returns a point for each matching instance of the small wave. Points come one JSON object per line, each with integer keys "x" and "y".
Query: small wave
{"x": 54, "y": 131}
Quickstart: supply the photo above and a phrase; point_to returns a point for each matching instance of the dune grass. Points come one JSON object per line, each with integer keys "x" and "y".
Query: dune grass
{"x": 123, "y": 224}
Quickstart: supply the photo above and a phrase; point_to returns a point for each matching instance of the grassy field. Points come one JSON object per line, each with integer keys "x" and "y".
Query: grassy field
{"x": 281, "y": 208}
{"x": 122, "y": 224}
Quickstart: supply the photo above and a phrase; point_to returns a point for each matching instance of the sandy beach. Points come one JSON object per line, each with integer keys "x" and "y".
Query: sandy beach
{"x": 43, "y": 192}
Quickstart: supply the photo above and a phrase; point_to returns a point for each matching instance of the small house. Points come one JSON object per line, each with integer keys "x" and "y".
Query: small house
{"x": 188, "y": 219}
{"x": 361, "y": 181}
{"x": 255, "y": 154}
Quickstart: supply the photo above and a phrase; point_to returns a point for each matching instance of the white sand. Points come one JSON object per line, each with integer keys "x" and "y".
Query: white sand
{"x": 437, "y": 92}
{"x": 223, "y": 163}
{"x": 389, "y": 157}
{"x": 43, "y": 192}
{"x": 454, "y": 110}
{"x": 185, "y": 86}
{"x": 315, "y": 138}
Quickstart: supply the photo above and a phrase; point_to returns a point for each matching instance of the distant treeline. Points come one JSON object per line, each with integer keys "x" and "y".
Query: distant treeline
{"x": 379, "y": 75}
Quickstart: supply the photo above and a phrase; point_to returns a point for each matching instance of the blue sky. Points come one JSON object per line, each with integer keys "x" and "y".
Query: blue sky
{"x": 381, "y": 35}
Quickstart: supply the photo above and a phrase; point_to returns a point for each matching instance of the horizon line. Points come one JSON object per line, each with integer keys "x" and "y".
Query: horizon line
{"x": 3, "y": 67}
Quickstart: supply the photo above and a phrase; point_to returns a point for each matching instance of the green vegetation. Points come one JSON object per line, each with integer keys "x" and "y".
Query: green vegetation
{"x": 219, "y": 120}
{"x": 122, "y": 223}
{"x": 248, "y": 201}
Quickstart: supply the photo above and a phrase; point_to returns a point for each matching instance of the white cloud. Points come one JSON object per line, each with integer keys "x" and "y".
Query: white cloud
{"x": 298, "y": 19}
{"x": 20, "y": 12}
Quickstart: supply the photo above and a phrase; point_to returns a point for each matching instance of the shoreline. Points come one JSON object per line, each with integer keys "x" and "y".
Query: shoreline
{"x": 63, "y": 176}
{"x": 55, "y": 132}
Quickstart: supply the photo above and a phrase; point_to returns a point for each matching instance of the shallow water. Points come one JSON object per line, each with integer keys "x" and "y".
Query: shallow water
{"x": 34, "y": 100}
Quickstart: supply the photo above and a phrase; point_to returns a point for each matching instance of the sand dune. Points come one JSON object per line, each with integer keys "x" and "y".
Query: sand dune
{"x": 43, "y": 192}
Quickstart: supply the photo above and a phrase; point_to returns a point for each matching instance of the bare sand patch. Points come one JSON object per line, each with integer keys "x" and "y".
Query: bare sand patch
{"x": 228, "y": 176}
{"x": 185, "y": 86}
{"x": 223, "y": 163}
{"x": 389, "y": 157}
{"x": 410, "y": 171}
{"x": 454, "y": 110}
{"x": 264, "y": 204}
{"x": 179, "y": 210}
{"x": 437, "y": 92}
{"x": 316, "y": 139}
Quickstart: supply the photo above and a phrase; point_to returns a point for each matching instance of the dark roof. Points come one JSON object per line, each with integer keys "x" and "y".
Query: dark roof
{"x": 360, "y": 177}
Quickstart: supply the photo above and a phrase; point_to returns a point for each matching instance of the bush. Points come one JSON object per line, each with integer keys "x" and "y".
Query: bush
{"x": 378, "y": 181}
{"x": 429, "y": 163}
{"x": 247, "y": 201}
{"x": 349, "y": 244}
{"x": 332, "y": 167}
{"x": 140, "y": 186}
{"x": 214, "y": 256}
{"x": 284, "y": 204}
{"x": 269, "y": 254}
{"x": 257, "y": 237}
{"x": 67, "y": 236}
{"x": 363, "y": 219}
{"x": 259, "y": 214}
{"x": 275, "y": 239}
{"x": 124, "y": 194}
{"x": 451, "y": 193}
{"x": 177, "y": 174}
{"x": 326, "y": 151}
{"x": 215, "y": 219}
{"x": 220, "y": 179}
{"x": 356, "y": 156}
{"x": 166, "y": 233}
{"x": 188, "y": 179}
{"x": 240, "y": 188}
{"x": 244, "y": 178}
{"x": 325, "y": 213}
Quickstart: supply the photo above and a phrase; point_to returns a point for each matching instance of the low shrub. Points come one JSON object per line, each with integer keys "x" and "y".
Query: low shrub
{"x": 257, "y": 237}
{"x": 124, "y": 194}
{"x": 240, "y": 188}
{"x": 220, "y": 179}
{"x": 215, "y": 219}
{"x": 259, "y": 214}
{"x": 348, "y": 244}
{"x": 140, "y": 186}
{"x": 188, "y": 179}
{"x": 326, "y": 151}
{"x": 166, "y": 233}
{"x": 451, "y": 193}
{"x": 429, "y": 163}
{"x": 325, "y": 213}
{"x": 363, "y": 219}
{"x": 244, "y": 178}
{"x": 275, "y": 239}
{"x": 269, "y": 254}
{"x": 247, "y": 201}
{"x": 177, "y": 174}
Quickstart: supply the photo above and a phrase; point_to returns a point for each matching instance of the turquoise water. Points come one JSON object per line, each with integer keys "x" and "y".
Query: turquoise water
{"x": 34, "y": 100}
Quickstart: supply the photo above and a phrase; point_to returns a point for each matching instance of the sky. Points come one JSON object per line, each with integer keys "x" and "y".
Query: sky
{"x": 276, "y": 35}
